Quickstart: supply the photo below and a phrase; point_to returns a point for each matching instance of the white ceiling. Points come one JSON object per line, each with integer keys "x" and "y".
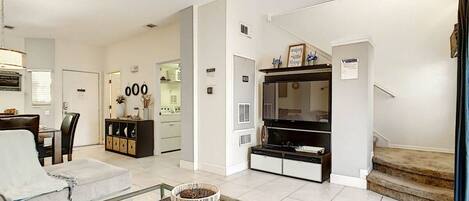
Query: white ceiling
{"x": 102, "y": 22}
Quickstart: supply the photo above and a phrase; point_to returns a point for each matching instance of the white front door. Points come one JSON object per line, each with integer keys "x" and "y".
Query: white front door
{"x": 81, "y": 95}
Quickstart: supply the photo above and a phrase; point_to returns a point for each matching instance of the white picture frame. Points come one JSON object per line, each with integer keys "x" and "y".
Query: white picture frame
{"x": 296, "y": 55}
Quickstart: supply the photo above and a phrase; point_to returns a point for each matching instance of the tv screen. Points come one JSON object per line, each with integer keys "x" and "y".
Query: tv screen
{"x": 297, "y": 101}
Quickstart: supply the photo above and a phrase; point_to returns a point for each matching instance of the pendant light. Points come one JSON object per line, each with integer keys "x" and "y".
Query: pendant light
{"x": 9, "y": 59}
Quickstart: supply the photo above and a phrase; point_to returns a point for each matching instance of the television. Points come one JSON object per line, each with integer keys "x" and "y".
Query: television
{"x": 303, "y": 104}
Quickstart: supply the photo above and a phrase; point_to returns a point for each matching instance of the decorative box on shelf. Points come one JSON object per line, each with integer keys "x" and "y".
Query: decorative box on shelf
{"x": 130, "y": 137}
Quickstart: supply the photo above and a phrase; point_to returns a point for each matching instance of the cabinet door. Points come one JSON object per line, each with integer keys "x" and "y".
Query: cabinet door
{"x": 132, "y": 147}
{"x": 170, "y": 144}
{"x": 115, "y": 144}
{"x": 123, "y": 146}
{"x": 109, "y": 142}
{"x": 266, "y": 163}
{"x": 170, "y": 129}
{"x": 304, "y": 170}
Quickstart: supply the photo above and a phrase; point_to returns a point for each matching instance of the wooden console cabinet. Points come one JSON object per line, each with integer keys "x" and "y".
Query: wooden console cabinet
{"x": 130, "y": 137}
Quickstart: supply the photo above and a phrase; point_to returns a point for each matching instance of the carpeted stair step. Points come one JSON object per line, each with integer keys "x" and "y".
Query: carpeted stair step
{"x": 406, "y": 190}
{"x": 423, "y": 167}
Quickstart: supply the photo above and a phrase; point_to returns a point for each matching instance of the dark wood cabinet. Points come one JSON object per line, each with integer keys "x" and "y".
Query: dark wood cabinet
{"x": 130, "y": 137}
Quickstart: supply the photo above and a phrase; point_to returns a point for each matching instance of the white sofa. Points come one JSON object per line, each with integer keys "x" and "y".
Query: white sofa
{"x": 24, "y": 178}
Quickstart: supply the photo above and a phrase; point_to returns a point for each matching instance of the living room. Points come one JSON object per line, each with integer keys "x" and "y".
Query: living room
{"x": 167, "y": 94}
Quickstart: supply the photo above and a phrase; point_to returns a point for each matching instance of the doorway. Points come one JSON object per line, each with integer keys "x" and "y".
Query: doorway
{"x": 81, "y": 95}
{"x": 170, "y": 107}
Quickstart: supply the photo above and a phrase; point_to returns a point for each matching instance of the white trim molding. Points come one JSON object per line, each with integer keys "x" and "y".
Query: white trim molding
{"x": 352, "y": 40}
{"x": 237, "y": 168}
{"x": 187, "y": 165}
{"x": 348, "y": 181}
{"x": 217, "y": 169}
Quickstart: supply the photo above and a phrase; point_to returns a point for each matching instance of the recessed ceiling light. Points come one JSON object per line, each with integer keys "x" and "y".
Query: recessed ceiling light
{"x": 151, "y": 26}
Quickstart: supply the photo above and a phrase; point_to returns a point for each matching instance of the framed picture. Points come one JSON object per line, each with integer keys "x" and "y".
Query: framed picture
{"x": 296, "y": 55}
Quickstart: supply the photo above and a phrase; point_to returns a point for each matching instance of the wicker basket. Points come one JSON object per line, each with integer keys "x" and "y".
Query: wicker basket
{"x": 178, "y": 189}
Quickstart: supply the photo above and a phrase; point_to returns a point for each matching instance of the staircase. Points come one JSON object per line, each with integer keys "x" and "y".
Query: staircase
{"x": 409, "y": 175}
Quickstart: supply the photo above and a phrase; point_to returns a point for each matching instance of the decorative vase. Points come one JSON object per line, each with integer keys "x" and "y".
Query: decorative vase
{"x": 120, "y": 110}
{"x": 264, "y": 135}
{"x": 175, "y": 193}
{"x": 146, "y": 113}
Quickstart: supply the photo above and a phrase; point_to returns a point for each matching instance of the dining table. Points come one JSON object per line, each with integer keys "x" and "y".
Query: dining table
{"x": 56, "y": 136}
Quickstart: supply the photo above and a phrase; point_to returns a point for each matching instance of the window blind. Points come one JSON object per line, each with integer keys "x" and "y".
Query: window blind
{"x": 41, "y": 82}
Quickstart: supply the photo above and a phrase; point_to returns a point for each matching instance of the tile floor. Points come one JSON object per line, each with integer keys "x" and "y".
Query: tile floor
{"x": 247, "y": 186}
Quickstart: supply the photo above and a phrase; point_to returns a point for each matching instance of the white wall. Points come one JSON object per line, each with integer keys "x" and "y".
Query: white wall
{"x": 352, "y": 116}
{"x": 212, "y": 107}
{"x": 412, "y": 60}
{"x": 144, "y": 50}
{"x": 53, "y": 54}
{"x": 74, "y": 55}
{"x": 239, "y": 11}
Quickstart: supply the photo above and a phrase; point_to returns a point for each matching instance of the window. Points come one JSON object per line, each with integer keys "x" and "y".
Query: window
{"x": 41, "y": 82}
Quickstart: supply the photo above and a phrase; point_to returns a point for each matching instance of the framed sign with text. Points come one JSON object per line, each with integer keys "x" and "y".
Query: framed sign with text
{"x": 296, "y": 55}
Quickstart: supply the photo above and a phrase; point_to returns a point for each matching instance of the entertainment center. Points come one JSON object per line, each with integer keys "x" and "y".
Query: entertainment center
{"x": 296, "y": 108}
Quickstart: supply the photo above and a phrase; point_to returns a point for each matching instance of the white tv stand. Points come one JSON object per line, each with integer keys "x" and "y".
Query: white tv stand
{"x": 308, "y": 166}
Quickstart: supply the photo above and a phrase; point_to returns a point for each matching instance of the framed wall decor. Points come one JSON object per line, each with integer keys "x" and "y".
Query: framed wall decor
{"x": 296, "y": 55}
{"x": 135, "y": 89}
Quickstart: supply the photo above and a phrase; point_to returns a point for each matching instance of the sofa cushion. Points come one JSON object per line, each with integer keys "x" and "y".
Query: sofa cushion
{"x": 94, "y": 179}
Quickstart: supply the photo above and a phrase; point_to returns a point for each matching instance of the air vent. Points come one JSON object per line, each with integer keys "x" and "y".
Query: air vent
{"x": 243, "y": 113}
{"x": 151, "y": 26}
{"x": 245, "y": 139}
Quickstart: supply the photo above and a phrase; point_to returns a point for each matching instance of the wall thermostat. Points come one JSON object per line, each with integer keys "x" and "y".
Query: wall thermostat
{"x": 134, "y": 69}
{"x": 245, "y": 78}
{"x": 209, "y": 90}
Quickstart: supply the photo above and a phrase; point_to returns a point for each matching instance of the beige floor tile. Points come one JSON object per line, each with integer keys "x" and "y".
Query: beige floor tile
{"x": 254, "y": 179}
{"x": 257, "y": 195}
{"x": 246, "y": 185}
{"x": 282, "y": 186}
{"x": 317, "y": 192}
{"x": 387, "y": 199}
{"x": 233, "y": 190}
{"x": 355, "y": 194}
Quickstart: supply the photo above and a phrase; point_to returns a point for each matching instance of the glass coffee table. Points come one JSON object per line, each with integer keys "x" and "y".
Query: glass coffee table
{"x": 160, "y": 192}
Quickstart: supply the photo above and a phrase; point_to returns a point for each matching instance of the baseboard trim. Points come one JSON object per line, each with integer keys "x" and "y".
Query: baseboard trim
{"x": 237, "y": 168}
{"x": 187, "y": 165}
{"x": 348, "y": 181}
{"x": 419, "y": 148}
{"x": 220, "y": 170}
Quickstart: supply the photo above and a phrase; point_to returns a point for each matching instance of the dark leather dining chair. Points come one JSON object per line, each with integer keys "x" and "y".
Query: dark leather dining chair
{"x": 22, "y": 122}
{"x": 68, "y": 127}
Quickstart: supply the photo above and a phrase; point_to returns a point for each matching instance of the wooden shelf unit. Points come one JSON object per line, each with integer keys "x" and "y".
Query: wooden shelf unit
{"x": 300, "y": 68}
{"x": 133, "y": 138}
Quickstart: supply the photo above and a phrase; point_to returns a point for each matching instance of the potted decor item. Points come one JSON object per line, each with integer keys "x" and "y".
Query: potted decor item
{"x": 120, "y": 107}
{"x": 146, "y": 99}
{"x": 195, "y": 192}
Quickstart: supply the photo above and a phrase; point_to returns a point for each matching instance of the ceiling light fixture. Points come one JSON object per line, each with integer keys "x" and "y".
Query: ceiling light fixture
{"x": 9, "y": 59}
